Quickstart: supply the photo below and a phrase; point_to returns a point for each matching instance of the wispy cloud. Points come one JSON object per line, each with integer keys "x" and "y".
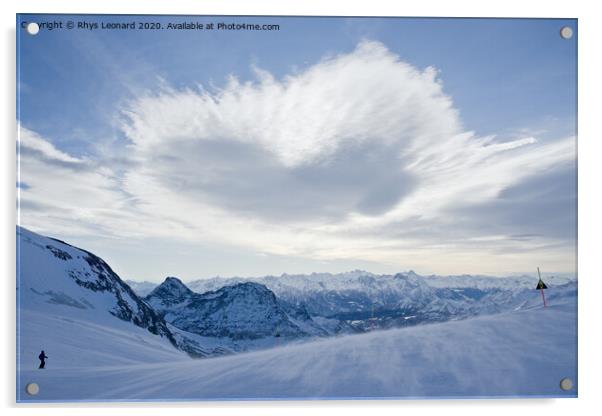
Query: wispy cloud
{"x": 31, "y": 142}
{"x": 361, "y": 155}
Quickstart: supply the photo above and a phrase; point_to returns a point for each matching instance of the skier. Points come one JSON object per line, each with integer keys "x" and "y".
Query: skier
{"x": 42, "y": 358}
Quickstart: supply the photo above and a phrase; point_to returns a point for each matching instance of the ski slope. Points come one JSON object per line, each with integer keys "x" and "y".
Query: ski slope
{"x": 521, "y": 353}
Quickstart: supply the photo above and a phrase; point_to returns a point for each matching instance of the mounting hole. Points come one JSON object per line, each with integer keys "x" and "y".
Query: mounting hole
{"x": 566, "y": 32}
{"x": 566, "y": 384}
{"x": 32, "y": 389}
{"x": 33, "y": 28}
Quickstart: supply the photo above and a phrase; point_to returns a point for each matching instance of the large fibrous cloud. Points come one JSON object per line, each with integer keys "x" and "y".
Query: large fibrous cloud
{"x": 336, "y": 160}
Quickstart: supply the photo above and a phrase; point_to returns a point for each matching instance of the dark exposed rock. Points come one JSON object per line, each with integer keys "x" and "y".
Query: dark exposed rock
{"x": 63, "y": 255}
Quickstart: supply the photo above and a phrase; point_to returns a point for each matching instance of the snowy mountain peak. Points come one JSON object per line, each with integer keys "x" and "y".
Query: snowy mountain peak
{"x": 57, "y": 279}
{"x": 174, "y": 286}
{"x": 409, "y": 281}
{"x": 171, "y": 292}
{"x": 244, "y": 310}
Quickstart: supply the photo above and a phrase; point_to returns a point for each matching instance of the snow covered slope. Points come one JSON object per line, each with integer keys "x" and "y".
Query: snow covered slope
{"x": 518, "y": 353}
{"x": 56, "y": 278}
{"x": 105, "y": 343}
{"x": 74, "y": 307}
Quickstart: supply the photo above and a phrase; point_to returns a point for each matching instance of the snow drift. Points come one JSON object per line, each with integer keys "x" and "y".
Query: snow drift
{"x": 524, "y": 353}
{"x": 106, "y": 343}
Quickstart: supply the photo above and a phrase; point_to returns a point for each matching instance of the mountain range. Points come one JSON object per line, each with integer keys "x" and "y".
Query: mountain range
{"x": 243, "y": 311}
{"x": 62, "y": 284}
{"x": 360, "y": 301}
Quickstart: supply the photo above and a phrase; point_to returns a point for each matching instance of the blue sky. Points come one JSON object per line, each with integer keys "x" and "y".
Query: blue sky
{"x": 103, "y": 106}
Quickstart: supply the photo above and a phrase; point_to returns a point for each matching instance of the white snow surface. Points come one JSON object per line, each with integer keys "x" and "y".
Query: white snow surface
{"x": 523, "y": 353}
{"x": 71, "y": 323}
{"x": 95, "y": 356}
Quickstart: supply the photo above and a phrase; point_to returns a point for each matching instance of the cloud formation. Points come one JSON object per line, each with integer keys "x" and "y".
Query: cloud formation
{"x": 361, "y": 155}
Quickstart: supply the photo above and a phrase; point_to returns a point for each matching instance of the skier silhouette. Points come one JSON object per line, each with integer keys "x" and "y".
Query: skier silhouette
{"x": 42, "y": 358}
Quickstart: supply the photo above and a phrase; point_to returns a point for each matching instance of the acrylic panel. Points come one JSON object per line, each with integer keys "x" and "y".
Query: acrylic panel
{"x": 269, "y": 208}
